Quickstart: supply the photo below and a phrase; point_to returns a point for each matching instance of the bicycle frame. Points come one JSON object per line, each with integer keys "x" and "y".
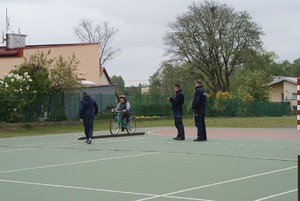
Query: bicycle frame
{"x": 119, "y": 119}
{"x": 117, "y": 123}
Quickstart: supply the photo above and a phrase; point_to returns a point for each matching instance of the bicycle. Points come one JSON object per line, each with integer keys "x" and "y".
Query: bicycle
{"x": 117, "y": 123}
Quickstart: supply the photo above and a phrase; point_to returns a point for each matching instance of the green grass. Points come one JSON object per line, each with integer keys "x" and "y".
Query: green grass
{"x": 253, "y": 122}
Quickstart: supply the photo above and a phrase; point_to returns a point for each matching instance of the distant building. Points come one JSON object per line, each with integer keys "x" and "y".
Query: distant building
{"x": 145, "y": 90}
{"x": 87, "y": 54}
{"x": 104, "y": 78}
{"x": 94, "y": 78}
{"x": 284, "y": 89}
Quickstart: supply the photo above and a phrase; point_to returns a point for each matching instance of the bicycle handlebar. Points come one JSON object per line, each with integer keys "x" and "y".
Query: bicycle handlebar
{"x": 117, "y": 111}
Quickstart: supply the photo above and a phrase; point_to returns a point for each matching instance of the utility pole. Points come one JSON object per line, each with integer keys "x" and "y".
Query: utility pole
{"x": 7, "y": 22}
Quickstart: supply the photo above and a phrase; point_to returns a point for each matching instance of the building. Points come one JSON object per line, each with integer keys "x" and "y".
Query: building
{"x": 94, "y": 78}
{"x": 145, "y": 90}
{"x": 284, "y": 89}
{"x": 87, "y": 54}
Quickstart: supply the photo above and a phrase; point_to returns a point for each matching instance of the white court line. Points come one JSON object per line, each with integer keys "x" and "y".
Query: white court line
{"x": 276, "y": 195}
{"x": 218, "y": 183}
{"x": 11, "y": 150}
{"x": 57, "y": 142}
{"x": 74, "y": 141}
{"x": 41, "y": 143}
{"x": 74, "y": 163}
{"x": 96, "y": 189}
{"x": 33, "y": 148}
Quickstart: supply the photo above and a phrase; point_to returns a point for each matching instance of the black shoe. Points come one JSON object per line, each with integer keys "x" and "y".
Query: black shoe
{"x": 180, "y": 138}
{"x": 198, "y": 139}
{"x": 89, "y": 141}
{"x": 175, "y": 138}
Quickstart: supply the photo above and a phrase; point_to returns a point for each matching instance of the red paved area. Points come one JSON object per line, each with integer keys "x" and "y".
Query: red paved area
{"x": 249, "y": 133}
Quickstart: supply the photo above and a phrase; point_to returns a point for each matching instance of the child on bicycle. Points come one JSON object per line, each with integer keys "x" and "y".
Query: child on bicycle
{"x": 123, "y": 106}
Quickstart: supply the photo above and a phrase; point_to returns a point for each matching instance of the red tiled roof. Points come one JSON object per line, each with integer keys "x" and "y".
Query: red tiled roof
{"x": 57, "y": 45}
{"x": 11, "y": 52}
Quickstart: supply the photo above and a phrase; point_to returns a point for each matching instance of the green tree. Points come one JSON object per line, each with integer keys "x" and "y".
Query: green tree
{"x": 168, "y": 78}
{"x": 13, "y": 91}
{"x": 40, "y": 77}
{"x": 37, "y": 66}
{"x": 155, "y": 83}
{"x": 48, "y": 77}
{"x": 163, "y": 80}
{"x": 252, "y": 85}
{"x": 63, "y": 74}
{"x": 214, "y": 39}
{"x": 133, "y": 89}
{"x": 295, "y": 68}
{"x": 119, "y": 82}
{"x": 279, "y": 69}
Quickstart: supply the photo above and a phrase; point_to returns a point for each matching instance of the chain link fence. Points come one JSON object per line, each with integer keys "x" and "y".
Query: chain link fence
{"x": 59, "y": 107}
{"x": 146, "y": 105}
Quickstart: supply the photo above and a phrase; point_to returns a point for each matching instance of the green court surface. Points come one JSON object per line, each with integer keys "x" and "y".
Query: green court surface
{"x": 147, "y": 167}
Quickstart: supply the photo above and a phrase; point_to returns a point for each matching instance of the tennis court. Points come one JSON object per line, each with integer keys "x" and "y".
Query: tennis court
{"x": 233, "y": 165}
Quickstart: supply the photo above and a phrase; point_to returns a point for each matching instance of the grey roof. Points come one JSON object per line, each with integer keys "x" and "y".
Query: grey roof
{"x": 277, "y": 79}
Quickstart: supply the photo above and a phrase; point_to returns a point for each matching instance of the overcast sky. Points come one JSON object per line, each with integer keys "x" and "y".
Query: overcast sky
{"x": 142, "y": 25}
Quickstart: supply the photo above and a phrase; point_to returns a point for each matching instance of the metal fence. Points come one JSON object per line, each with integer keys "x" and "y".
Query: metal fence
{"x": 37, "y": 107}
{"x": 146, "y": 105}
{"x": 34, "y": 107}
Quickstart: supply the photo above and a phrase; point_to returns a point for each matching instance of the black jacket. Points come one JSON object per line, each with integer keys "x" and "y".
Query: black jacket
{"x": 199, "y": 100}
{"x": 88, "y": 107}
{"x": 177, "y": 101}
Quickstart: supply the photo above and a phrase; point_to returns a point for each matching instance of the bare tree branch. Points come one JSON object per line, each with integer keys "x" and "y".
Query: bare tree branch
{"x": 103, "y": 34}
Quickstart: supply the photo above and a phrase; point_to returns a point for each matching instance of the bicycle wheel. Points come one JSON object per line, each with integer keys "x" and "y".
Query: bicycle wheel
{"x": 131, "y": 125}
{"x": 114, "y": 127}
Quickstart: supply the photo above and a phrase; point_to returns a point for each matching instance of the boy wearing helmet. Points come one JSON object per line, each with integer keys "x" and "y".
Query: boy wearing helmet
{"x": 123, "y": 106}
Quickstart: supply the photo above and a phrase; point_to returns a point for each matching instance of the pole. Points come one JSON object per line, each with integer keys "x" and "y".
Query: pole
{"x": 7, "y": 23}
{"x": 298, "y": 104}
{"x": 298, "y": 177}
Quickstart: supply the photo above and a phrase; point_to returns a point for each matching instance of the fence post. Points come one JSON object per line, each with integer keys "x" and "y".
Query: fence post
{"x": 101, "y": 101}
{"x": 298, "y": 104}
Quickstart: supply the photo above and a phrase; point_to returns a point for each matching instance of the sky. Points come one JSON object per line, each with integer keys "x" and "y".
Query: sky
{"x": 141, "y": 26}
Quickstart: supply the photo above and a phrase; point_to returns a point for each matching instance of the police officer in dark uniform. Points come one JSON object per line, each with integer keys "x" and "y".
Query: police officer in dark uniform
{"x": 199, "y": 111}
{"x": 177, "y": 103}
{"x": 88, "y": 110}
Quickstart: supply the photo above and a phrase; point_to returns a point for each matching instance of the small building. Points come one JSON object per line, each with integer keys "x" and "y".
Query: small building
{"x": 93, "y": 78}
{"x": 145, "y": 90}
{"x": 284, "y": 89}
{"x": 89, "y": 72}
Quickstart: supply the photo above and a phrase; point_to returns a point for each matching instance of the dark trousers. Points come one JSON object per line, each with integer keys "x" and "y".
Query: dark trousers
{"x": 179, "y": 125}
{"x": 125, "y": 118}
{"x": 88, "y": 123}
{"x": 125, "y": 115}
{"x": 200, "y": 124}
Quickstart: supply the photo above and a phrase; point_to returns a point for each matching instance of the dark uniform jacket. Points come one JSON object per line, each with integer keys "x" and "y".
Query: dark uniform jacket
{"x": 88, "y": 107}
{"x": 199, "y": 100}
{"x": 177, "y": 102}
